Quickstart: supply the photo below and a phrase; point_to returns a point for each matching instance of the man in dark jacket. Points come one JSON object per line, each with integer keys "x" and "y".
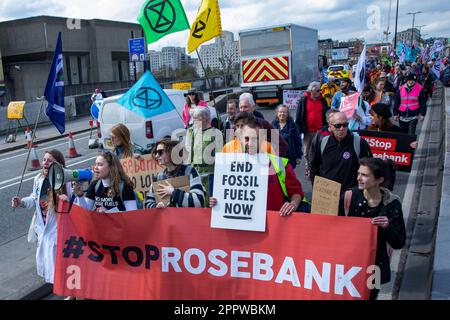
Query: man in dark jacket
{"x": 336, "y": 158}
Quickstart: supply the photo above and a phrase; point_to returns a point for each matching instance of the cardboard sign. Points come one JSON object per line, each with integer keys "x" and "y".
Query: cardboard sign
{"x": 182, "y": 183}
{"x": 141, "y": 172}
{"x": 291, "y": 98}
{"x": 240, "y": 187}
{"x": 325, "y": 197}
{"x": 390, "y": 145}
{"x": 173, "y": 254}
{"x": 15, "y": 110}
{"x": 349, "y": 104}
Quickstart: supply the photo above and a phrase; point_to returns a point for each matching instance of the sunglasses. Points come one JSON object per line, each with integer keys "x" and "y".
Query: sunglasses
{"x": 159, "y": 152}
{"x": 340, "y": 125}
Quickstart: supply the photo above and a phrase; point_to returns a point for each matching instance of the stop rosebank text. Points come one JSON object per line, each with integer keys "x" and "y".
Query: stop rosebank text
{"x": 153, "y": 254}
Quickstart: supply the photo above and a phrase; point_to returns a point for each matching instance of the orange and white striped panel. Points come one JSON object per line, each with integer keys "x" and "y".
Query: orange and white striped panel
{"x": 267, "y": 69}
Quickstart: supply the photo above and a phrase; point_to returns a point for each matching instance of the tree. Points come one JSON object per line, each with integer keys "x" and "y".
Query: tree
{"x": 186, "y": 72}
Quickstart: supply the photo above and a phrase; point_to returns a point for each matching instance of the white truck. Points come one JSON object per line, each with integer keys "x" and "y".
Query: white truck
{"x": 278, "y": 58}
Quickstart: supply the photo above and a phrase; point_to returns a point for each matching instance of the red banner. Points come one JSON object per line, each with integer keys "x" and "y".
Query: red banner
{"x": 173, "y": 254}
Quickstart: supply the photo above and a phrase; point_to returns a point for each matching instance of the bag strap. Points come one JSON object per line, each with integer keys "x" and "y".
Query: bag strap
{"x": 323, "y": 144}
{"x": 347, "y": 200}
{"x": 357, "y": 145}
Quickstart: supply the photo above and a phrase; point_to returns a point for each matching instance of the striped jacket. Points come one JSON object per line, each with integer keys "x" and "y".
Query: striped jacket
{"x": 195, "y": 198}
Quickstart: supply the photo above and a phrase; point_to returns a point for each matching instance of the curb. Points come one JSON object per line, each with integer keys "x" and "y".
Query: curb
{"x": 39, "y": 293}
{"x": 22, "y": 146}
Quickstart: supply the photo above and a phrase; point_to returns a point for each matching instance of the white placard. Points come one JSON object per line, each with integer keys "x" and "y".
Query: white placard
{"x": 240, "y": 187}
{"x": 291, "y": 98}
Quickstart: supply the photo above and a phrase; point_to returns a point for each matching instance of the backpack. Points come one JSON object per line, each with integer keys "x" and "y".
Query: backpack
{"x": 137, "y": 195}
{"x": 356, "y": 144}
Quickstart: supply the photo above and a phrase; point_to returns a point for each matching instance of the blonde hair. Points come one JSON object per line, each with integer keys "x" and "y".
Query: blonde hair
{"x": 122, "y": 133}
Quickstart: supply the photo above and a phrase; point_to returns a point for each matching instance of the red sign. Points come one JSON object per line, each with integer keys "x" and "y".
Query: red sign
{"x": 377, "y": 143}
{"x": 402, "y": 159}
{"x": 349, "y": 104}
{"x": 390, "y": 145}
{"x": 265, "y": 69}
{"x": 173, "y": 253}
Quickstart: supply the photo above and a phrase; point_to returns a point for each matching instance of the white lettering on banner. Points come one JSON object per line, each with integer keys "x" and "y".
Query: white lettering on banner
{"x": 322, "y": 280}
{"x": 223, "y": 268}
{"x": 259, "y": 266}
{"x": 344, "y": 280}
{"x": 288, "y": 272}
{"x": 402, "y": 159}
{"x": 374, "y": 142}
{"x": 201, "y": 261}
{"x": 236, "y": 264}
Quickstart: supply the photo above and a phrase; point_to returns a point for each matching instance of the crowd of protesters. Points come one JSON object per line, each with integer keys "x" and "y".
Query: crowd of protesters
{"x": 394, "y": 99}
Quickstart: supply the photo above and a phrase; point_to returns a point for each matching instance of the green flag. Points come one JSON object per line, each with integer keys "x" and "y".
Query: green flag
{"x": 159, "y": 18}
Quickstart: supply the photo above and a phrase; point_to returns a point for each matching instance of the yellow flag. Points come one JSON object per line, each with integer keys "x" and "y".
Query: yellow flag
{"x": 206, "y": 26}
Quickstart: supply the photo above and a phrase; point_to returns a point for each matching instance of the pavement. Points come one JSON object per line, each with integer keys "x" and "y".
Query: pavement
{"x": 46, "y": 133}
{"x": 18, "y": 278}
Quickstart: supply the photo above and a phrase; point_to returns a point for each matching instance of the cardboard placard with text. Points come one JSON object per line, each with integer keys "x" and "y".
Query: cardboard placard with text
{"x": 181, "y": 183}
{"x": 142, "y": 172}
{"x": 325, "y": 197}
{"x": 240, "y": 187}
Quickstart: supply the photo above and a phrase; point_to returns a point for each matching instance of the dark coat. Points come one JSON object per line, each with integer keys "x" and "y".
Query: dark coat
{"x": 394, "y": 234}
{"x": 292, "y": 136}
{"x": 339, "y": 161}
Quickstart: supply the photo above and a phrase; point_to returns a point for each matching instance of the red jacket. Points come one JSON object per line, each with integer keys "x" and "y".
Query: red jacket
{"x": 275, "y": 194}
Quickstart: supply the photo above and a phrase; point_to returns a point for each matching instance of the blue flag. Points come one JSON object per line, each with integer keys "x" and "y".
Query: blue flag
{"x": 146, "y": 98}
{"x": 54, "y": 90}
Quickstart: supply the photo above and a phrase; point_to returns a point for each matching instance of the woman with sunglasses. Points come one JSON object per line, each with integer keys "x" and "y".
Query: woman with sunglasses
{"x": 192, "y": 101}
{"x": 370, "y": 199}
{"x": 111, "y": 191}
{"x": 121, "y": 140}
{"x": 164, "y": 150}
{"x": 43, "y": 228}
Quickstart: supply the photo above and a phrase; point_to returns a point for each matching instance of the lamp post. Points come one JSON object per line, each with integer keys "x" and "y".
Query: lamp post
{"x": 395, "y": 34}
{"x": 412, "y": 29}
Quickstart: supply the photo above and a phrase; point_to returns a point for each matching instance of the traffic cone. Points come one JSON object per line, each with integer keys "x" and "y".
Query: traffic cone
{"x": 28, "y": 137}
{"x": 35, "y": 163}
{"x": 72, "y": 151}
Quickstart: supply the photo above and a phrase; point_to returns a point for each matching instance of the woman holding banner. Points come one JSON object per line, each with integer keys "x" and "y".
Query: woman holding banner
{"x": 192, "y": 196}
{"x": 380, "y": 115}
{"x": 121, "y": 140}
{"x": 111, "y": 191}
{"x": 371, "y": 200}
{"x": 44, "y": 222}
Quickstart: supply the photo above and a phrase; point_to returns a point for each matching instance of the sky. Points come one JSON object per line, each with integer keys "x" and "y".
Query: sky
{"x": 336, "y": 19}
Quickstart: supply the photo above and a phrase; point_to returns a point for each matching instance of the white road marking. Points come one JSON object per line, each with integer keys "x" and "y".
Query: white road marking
{"x": 50, "y": 146}
{"x": 35, "y": 173}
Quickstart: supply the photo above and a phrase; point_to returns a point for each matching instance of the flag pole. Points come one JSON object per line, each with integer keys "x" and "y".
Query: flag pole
{"x": 32, "y": 141}
{"x": 209, "y": 85}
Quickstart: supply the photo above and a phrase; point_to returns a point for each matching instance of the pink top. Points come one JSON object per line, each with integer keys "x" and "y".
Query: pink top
{"x": 186, "y": 115}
